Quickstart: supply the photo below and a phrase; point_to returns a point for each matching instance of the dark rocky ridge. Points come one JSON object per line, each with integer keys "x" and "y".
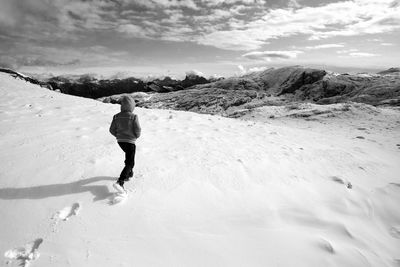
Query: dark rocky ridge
{"x": 391, "y": 71}
{"x": 87, "y": 86}
{"x": 90, "y": 87}
{"x": 280, "y": 86}
{"x": 170, "y": 85}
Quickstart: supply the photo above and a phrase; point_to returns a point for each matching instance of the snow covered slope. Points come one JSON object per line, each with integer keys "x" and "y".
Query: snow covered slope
{"x": 208, "y": 191}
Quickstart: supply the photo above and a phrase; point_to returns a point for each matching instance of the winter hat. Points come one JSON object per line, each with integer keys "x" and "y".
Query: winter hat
{"x": 127, "y": 103}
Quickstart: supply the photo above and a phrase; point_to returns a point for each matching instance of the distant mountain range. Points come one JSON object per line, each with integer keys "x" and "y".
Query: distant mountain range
{"x": 281, "y": 86}
{"x": 395, "y": 71}
{"x": 88, "y": 86}
{"x": 222, "y": 96}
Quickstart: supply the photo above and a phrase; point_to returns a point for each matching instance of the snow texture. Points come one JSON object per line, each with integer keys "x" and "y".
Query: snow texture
{"x": 26, "y": 254}
{"x": 210, "y": 191}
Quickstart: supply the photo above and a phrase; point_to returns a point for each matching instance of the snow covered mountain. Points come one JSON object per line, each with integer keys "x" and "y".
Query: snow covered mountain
{"x": 207, "y": 190}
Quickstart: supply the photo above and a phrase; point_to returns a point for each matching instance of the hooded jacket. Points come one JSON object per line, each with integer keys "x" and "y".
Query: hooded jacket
{"x": 125, "y": 125}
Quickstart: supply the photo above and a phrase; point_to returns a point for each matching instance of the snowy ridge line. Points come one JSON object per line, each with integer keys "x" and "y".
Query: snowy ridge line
{"x": 26, "y": 78}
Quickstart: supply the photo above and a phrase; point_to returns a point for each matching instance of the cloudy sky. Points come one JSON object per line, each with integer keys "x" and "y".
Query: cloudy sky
{"x": 169, "y": 37}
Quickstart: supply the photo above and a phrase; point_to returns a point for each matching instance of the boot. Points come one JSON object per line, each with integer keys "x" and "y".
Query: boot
{"x": 121, "y": 182}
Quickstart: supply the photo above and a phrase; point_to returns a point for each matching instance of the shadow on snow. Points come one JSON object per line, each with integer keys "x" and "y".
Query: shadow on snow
{"x": 99, "y": 192}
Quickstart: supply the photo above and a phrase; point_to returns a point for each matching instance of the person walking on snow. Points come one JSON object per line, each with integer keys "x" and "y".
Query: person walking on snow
{"x": 126, "y": 128}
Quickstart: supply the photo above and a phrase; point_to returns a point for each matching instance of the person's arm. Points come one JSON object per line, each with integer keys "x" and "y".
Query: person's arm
{"x": 113, "y": 127}
{"x": 136, "y": 127}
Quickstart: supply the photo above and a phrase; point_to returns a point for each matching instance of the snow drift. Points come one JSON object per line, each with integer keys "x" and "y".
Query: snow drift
{"x": 207, "y": 191}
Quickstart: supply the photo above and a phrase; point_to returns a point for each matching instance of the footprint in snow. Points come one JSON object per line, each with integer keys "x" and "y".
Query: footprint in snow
{"x": 69, "y": 211}
{"x": 325, "y": 245}
{"x": 341, "y": 181}
{"x": 119, "y": 196}
{"x": 24, "y": 255}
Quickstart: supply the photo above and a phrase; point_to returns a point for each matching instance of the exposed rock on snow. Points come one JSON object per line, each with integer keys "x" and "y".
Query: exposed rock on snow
{"x": 115, "y": 99}
{"x": 91, "y": 87}
{"x": 391, "y": 71}
{"x": 300, "y": 78}
{"x": 212, "y": 101}
{"x": 279, "y": 87}
{"x": 288, "y": 84}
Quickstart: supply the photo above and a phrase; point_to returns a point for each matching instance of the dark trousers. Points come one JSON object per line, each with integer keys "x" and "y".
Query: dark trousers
{"x": 130, "y": 150}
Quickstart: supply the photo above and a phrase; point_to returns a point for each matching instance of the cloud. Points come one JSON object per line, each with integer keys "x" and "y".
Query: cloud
{"x": 355, "y": 53}
{"x": 231, "y": 40}
{"x": 243, "y": 70}
{"x": 268, "y": 55}
{"x": 362, "y": 54}
{"x": 194, "y": 73}
{"x": 7, "y": 12}
{"x": 40, "y": 61}
{"x": 176, "y": 3}
{"x": 135, "y": 31}
{"x": 155, "y": 4}
{"x": 324, "y": 46}
{"x": 47, "y": 56}
{"x": 293, "y": 4}
{"x": 257, "y": 69}
{"x": 360, "y": 17}
{"x": 229, "y": 24}
{"x": 215, "y": 3}
{"x": 43, "y": 20}
{"x": 37, "y": 61}
{"x": 345, "y": 18}
{"x": 8, "y": 62}
{"x": 65, "y": 29}
{"x": 346, "y": 51}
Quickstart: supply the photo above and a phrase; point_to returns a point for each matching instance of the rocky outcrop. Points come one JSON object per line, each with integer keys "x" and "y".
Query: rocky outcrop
{"x": 391, "y": 71}
{"x": 167, "y": 84}
{"x": 232, "y": 84}
{"x": 87, "y": 86}
{"x": 272, "y": 81}
{"x": 374, "y": 90}
{"x": 300, "y": 78}
{"x": 90, "y": 87}
{"x": 170, "y": 85}
{"x": 235, "y": 95}
{"x": 223, "y": 96}
{"x": 280, "y": 86}
{"x": 193, "y": 79}
{"x": 116, "y": 99}
{"x": 211, "y": 101}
